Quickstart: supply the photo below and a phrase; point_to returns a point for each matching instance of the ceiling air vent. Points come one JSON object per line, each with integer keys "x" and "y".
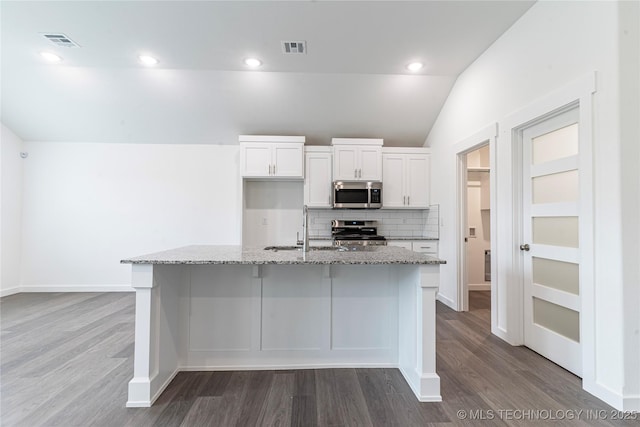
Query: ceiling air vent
{"x": 60, "y": 40}
{"x": 297, "y": 47}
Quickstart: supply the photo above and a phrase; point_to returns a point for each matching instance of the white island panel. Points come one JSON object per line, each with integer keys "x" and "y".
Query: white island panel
{"x": 292, "y": 308}
{"x": 221, "y": 308}
{"x": 364, "y": 301}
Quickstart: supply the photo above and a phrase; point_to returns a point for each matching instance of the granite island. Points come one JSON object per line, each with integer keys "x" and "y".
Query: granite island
{"x": 233, "y": 308}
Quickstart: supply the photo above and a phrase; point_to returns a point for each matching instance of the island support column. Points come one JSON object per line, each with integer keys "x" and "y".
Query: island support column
{"x": 156, "y": 323}
{"x": 417, "y": 335}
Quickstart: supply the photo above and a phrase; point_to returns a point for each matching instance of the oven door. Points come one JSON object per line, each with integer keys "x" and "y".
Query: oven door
{"x": 350, "y": 195}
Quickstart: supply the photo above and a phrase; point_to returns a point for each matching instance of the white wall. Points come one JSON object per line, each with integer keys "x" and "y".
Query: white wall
{"x": 629, "y": 36}
{"x": 553, "y": 44}
{"x": 272, "y": 212}
{"x": 87, "y": 206}
{"x": 11, "y": 211}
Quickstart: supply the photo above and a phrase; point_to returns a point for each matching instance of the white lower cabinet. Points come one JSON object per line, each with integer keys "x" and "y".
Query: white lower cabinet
{"x": 400, "y": 243}
{"x": 429, "y": 247}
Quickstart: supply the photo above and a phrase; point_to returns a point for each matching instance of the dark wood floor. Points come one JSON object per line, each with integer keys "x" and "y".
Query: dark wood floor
{"x": 66, "y": 360}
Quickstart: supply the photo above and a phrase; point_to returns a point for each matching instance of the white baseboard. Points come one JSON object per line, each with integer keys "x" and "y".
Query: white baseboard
{"x": 10, "y": 291}
{"x": 479, "y": 286}
{"x": 77, "y": 288}
{"x": 446, "y": 301}
{"x": 621, "y": 402}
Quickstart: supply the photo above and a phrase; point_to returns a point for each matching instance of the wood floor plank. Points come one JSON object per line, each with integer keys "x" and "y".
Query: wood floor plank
{"x": 202, "y": 412}
{"x": 254, "y": 400}
{"x": 277, "y": 408}
{"x": 304, "y": 410}
{"x": 376, "y": 389}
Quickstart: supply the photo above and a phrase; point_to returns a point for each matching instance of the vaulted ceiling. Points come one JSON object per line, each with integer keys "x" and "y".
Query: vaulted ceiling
{"x": 351, "y": 82}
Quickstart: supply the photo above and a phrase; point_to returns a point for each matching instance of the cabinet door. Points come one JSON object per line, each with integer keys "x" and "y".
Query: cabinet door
{"x": 400, "y": 243}
{"x": 255, "y": 159}
{"x": 427, "y": 247}
{"x": 317, "y": 180}
{"x": 288, "y": 160}
{"x": 393, "y": 195}
{"x": 370, "y": 163}
{"x": 345, "y": 164}
{"x": 417, "y": 181}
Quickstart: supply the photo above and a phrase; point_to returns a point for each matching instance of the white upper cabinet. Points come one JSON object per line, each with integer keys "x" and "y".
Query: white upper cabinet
{"x": 318, "y": 177}
{"x": 357, "y": 159}
{"x": 405, "y": 178}
{"x": 272, "y": 156}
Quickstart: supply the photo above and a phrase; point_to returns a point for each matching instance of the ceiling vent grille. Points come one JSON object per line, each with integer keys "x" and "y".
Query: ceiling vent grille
{"x": 294, "y": 47}
{"x": 60, "y": 40}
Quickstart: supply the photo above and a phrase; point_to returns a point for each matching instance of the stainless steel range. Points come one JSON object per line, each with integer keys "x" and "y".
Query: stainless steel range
{"x": 356, "y": 233}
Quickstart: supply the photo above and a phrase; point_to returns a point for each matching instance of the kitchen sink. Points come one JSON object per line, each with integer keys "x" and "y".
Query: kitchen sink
{"x": 312, "y": 248}
{"x": 282, "y": 248}
{"x": 328, "y": 248}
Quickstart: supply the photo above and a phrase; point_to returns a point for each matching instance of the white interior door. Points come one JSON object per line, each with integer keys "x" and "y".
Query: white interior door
{"x": 551, "y": 244}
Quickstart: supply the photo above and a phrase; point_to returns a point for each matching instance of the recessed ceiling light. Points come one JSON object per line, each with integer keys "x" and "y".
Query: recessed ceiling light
{"x": 415, "y": 66}
{"x": 252, "y": 62}
{"x": 51, "y": 57}
{"x": 147, "y": 60}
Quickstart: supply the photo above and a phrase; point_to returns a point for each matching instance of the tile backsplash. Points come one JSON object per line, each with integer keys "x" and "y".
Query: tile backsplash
{"x": 392, "y": 222}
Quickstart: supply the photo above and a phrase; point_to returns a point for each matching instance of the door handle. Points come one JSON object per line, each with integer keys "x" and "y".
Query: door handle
{"x": 525, "y": 247}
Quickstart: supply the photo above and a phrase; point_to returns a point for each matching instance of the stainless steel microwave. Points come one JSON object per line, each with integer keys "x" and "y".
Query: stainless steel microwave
{"x": 357, "y": 194}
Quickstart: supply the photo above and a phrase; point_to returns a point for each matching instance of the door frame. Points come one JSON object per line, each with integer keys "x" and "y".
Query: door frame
{"x": 577, "y": 93}
{"x": 486, "y": 136}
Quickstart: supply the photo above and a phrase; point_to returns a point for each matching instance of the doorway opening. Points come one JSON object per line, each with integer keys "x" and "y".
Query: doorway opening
{"x": 478, "y": 230}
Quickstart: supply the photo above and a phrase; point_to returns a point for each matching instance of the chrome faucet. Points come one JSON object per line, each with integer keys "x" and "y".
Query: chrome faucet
{"x": 305, "y": 230}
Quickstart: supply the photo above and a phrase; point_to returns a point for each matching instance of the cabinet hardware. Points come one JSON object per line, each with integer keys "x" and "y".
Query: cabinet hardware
{"x": 525, "y": 247}
{"x": 274, "y": 169}
{"x": 404, "y": 200}
{"x": 409, "y": 200}
{"x": 355, "y": 173}
{"x": 269, "y": 169}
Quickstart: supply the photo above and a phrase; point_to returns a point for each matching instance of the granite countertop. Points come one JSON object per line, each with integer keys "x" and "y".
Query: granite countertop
{"x": 209, "y": 254}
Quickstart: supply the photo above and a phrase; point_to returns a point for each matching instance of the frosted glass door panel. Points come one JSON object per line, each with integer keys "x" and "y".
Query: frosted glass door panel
{"x": 556, "y": 188}
{"x": 551, "y": 236}
{"x": 556, "y": 318}
{"x": 556, "y": 231}
{"x": 555, "y": 145}
{"x": 556, "y": 274}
